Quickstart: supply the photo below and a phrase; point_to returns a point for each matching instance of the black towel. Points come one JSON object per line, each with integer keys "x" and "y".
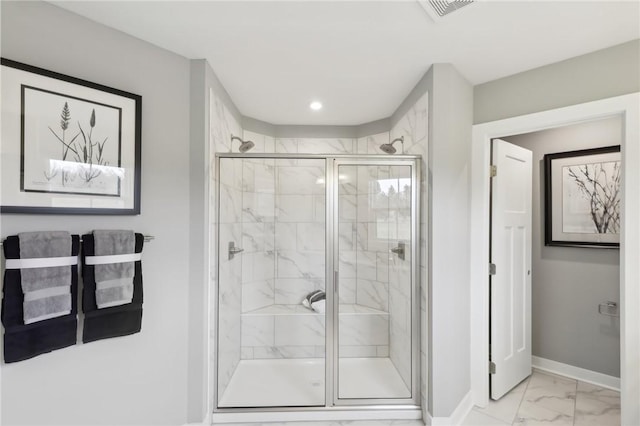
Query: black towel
{"x": 117, "y": 320}
{"x": 26, "y": 341}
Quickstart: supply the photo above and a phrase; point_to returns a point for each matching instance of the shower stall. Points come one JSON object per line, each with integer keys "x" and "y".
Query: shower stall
{"x": 317, "y": 282}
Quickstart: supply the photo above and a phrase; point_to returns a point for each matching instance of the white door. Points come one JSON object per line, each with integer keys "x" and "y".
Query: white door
{"x": 511, "y": 255}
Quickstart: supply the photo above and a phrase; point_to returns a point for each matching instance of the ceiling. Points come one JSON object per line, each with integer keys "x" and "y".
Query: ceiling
{"x": 360, "y": 58}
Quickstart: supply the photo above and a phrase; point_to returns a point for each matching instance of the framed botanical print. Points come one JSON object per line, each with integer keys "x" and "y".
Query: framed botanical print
{"x": 69, "y": 146}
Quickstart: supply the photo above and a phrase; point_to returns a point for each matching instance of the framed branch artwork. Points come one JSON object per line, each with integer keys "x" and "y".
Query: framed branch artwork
{"x": 69, "y": 146}
{"x": 582, "y": 198}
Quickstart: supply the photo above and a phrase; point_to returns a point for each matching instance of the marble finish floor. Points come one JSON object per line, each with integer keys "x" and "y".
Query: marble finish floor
{"x": 547, "y": 399}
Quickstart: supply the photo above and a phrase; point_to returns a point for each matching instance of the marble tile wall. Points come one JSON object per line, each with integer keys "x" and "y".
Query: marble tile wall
{"x": 363, "y": 266}
{"x": 372, "y": 237}
{"x": 316, "y": 145}
{"x": 400, "y": 274}
{"x": 414, "y": 127}
{"x": 299, "y": 246}
{"x": 258, "y": 233}
{"x": 371, "y": 144}
{"x": 263, "y": 143}
{"x": 227, "y": 222}
{"x": 289, "y": 265}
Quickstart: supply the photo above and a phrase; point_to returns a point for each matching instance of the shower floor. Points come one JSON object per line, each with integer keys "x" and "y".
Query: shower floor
{"x": 300, "y": 382}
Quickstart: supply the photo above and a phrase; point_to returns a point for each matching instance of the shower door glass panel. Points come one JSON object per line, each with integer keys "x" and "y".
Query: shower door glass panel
{"x": 374, "y": 256}
{"x": 271, "y": 346}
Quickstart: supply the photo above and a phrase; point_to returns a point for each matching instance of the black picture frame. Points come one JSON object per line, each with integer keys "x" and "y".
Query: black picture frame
{"x": 69, "y": 146}
{"x": 582, "y": 198}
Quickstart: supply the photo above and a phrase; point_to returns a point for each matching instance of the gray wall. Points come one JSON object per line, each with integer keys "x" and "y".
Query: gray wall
{"x": 138, "y": 379}
{"x": 197, "y": 364}
{"x": 602, "y": 74}
{"x": 450, "y": 119}
{"x": 568, "y": 283}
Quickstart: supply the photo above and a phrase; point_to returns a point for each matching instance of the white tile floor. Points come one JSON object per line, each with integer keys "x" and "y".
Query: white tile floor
{"x": 542, "y": 399}
{"x": 300, "y": 382}
{"x": 547, "y": 399}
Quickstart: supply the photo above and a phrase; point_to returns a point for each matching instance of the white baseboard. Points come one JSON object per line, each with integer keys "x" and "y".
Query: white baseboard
{"x": 317, "y": 415}
{"x": 205, "y": 422}
{"x": 588, "y": 376}
{"x": 458, "y": 415}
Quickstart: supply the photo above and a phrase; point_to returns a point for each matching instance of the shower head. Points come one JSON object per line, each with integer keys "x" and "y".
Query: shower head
{"x": 388, "y": 148}
{"x": 244, "y": 145}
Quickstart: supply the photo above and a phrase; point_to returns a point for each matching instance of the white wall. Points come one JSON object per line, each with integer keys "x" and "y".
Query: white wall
{"x": 567, "y": 328}
{"x": 138, "y": 379}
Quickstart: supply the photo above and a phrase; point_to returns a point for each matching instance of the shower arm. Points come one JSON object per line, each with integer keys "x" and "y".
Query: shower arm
{"x": 400, "y": 139}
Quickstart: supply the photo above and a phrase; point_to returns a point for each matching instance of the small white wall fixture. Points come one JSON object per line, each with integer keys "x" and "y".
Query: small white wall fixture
{"x": 628, "y": 106}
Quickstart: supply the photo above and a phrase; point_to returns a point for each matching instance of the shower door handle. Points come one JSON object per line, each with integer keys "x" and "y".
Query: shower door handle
{"x": 335, "y": 282}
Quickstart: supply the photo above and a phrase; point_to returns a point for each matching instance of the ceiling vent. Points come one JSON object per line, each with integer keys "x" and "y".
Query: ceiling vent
{"x": 438, "y": 9}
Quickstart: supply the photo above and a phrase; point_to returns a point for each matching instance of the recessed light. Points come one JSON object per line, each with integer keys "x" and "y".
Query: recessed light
{"x": 315, "y": 105}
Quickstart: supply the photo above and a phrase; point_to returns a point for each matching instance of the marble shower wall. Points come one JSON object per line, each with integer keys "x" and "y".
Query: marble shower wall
{"x": 381, "y": 280}
{"x": 364, "y": 145}
{"x": 258, "y": 233}
{"x": 289, "y": 253}
{"x": 414, "y": 126}
{"x": 365, "y": 264}
{"x": 222, "y": 125}
{"x": 400, "y": 274}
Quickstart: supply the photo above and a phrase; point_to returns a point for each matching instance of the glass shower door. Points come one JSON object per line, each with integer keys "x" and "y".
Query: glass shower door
{"x": 373, "y": 259}
{"x": 271, "y": 254}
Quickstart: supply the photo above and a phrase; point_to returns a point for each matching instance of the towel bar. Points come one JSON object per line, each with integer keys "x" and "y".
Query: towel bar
{"x": 147, "y": 238}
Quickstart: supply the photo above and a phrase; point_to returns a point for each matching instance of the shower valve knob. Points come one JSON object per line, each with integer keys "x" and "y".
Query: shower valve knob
{"x": 399, "y": 250}
{"x": 233, "y": 250}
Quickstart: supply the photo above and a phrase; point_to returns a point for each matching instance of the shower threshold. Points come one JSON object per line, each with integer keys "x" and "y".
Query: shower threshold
{"x": 300, "y": 382}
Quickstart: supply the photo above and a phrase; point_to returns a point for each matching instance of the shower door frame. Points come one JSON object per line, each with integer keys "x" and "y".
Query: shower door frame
{"x": 333, "y": 214}
{"x": 332, "y": 402}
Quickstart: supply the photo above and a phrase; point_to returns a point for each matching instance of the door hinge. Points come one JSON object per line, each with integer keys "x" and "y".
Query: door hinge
{"x": 492, "y": 367}
{"x": 492, "y": 269}
{"x": 494, "y": 171}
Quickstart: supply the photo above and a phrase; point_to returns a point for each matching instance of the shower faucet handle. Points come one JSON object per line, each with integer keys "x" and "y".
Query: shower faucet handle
{"x": 399, "y": 250}
{"x": 233, "y": 250}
